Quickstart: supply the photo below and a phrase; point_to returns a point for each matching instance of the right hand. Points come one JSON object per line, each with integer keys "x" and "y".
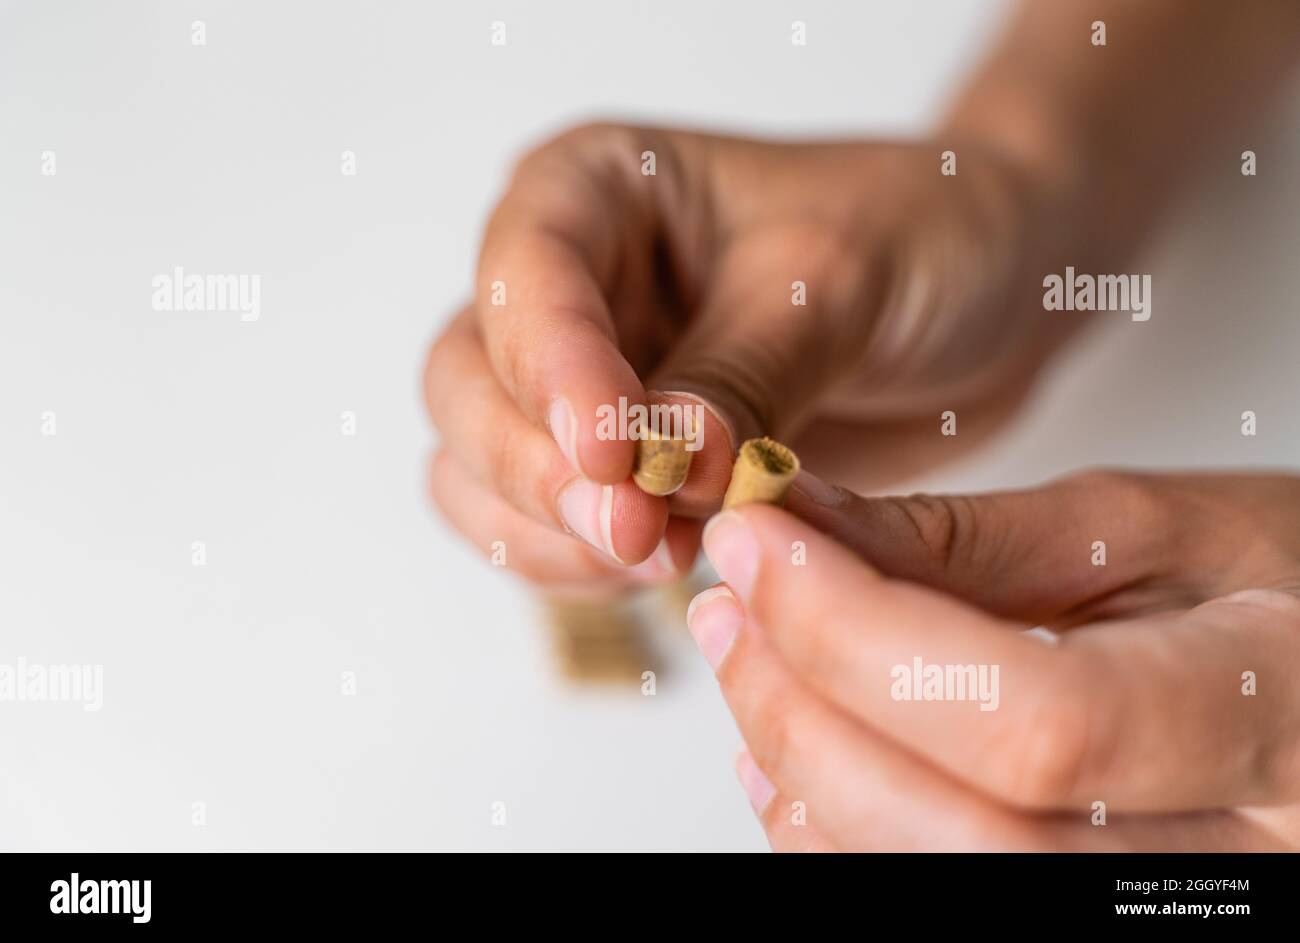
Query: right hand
{"x": 1163, "y": 693}
{"x": 923, "y": 294}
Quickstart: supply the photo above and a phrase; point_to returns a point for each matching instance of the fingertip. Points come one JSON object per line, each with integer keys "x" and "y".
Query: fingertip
{"x": 605, "y": 462}
{"x": 765, "y": 521}
{"x": 774, "y": 528}
{"x": 636, "y": 523}
{"x": 603, "y": 459}
{"x": 588, "y": 418}
{"x": 793, "y": 555}
{"x": 682, "y": 536}
{"x": 711, "y": 464}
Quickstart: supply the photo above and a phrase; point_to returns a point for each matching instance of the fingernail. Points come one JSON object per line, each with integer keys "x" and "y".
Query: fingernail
{"x": 587, "y": 510}
{"x": 713, "y": 410}
{"x": 757, "y": 786}
{"x": 658, "y": 566}
{"x": 564, "y": 429}
{"x": 731, "y": 548}
{"x": 818, "y": 492}
{"x": 714, "y": 618}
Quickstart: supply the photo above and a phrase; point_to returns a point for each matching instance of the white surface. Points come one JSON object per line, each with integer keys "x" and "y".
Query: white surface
{"x": 222, "y": 683}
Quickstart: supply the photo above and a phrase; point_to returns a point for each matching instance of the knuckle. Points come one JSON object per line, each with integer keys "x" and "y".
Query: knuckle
{"x": 1045, "y": 763}
{"x": 433, "y": 355}
{"x": 773, "y": 737}
{"x": 1049, "y": 765}
{"x": 1131, "y": 492}
{"x": 1133, "y": 500}
{"x": 513, "y": 357}
{"x": 429, "y": 379}
{"x": 581, "y": 138}
{"x": 439, "y": 465}
{"x": 737, "y": 381}
{"x": 507, "y": 472}
{"x": 533, "y": 156}
{"x": 809, "y": 240}
{"x": 442, "y": 364}
{"x": 946, "y": 525}
{"x": 585, "y": 133}
{"x": 814, "y": 637}
{"x": 830, "y": 256}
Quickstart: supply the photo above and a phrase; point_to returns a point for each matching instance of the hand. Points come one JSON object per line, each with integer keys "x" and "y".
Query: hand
{"x": 1167, "y": 691}
{"x": 922, "y": 295}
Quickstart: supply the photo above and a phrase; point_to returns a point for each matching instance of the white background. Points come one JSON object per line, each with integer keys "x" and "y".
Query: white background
{"x": 222, "y": 684}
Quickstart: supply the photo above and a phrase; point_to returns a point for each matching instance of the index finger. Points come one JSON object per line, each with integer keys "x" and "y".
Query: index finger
{"x": 548, "y": 259}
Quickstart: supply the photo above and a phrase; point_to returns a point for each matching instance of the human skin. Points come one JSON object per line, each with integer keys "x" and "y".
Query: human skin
{"x": 1168, "y": 694}
{"x": 910, "y": 311}
{"x": 924, "y": 291}
{"x": 923, "y": 295}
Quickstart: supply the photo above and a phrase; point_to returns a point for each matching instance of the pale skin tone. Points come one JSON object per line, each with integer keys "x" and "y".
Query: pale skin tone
{"x": 1168, "y": 692}
{"x": 923, "y": 294}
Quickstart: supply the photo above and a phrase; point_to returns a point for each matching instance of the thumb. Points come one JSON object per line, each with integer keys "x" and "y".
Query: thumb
{"x": 1051, "y": 555}
{"x": 763, "y": 348}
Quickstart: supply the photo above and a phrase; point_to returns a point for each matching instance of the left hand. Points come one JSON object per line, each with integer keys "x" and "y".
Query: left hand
{"x": 1167, "y": 691}
{"x": 839, "y": 295}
